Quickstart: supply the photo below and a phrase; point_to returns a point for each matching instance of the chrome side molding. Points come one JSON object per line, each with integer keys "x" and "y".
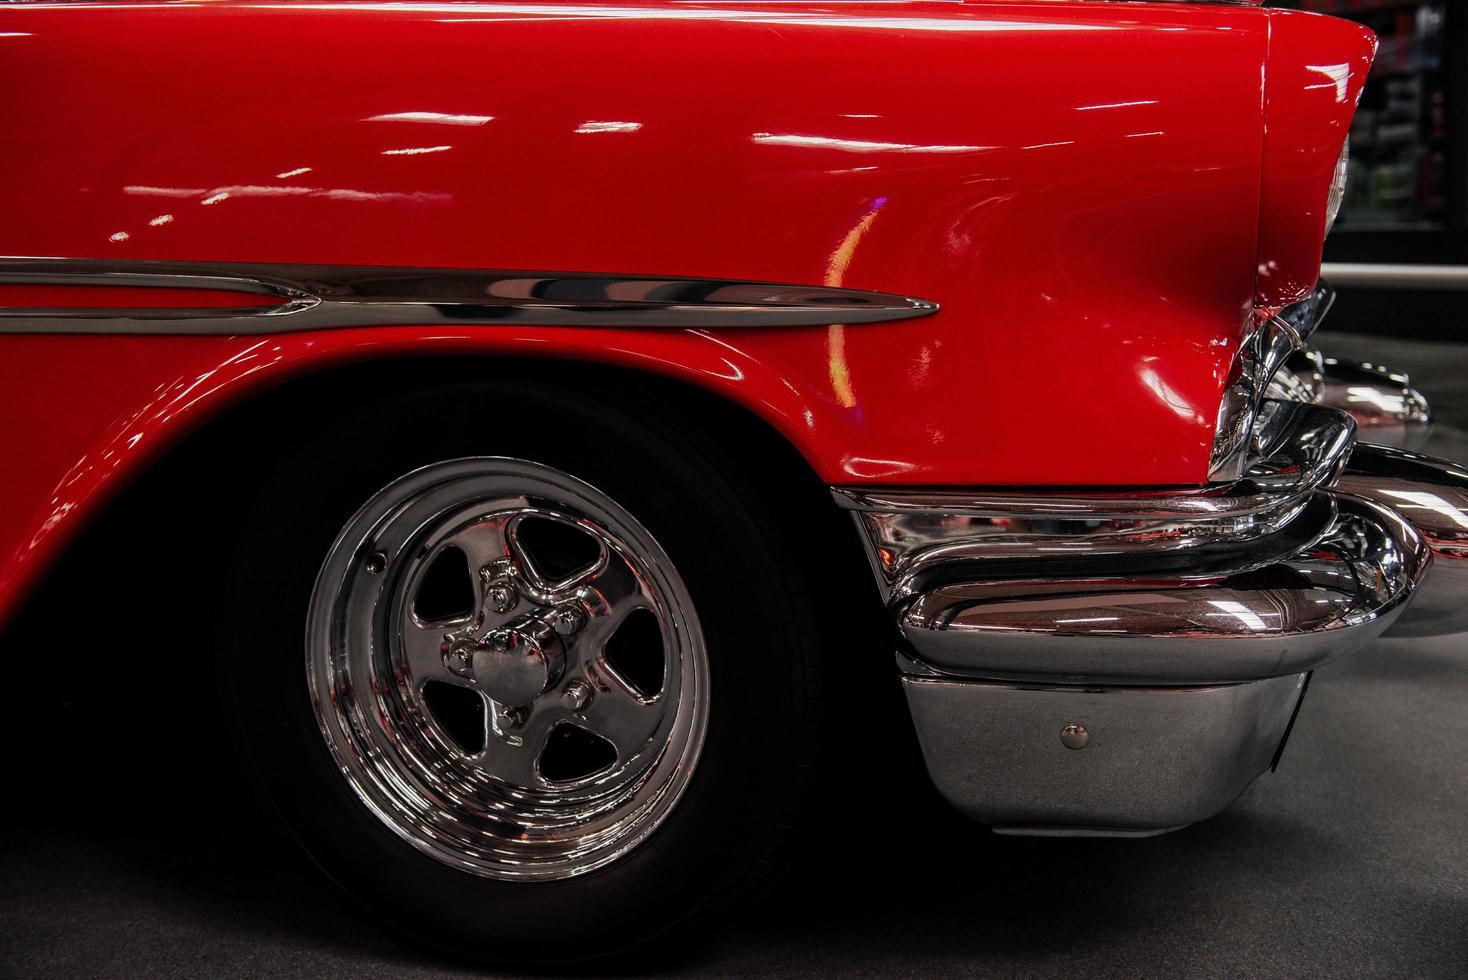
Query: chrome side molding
{"x": 322, "y": 297}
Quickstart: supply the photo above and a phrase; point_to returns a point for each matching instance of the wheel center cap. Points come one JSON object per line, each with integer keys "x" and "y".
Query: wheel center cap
{"x": 515, "y": 665}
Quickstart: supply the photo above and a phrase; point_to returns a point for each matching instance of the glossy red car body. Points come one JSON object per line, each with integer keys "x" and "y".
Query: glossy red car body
{"x": 1102, "y": 197}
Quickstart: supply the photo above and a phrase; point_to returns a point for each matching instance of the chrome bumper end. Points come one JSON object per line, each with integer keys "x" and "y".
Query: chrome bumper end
{"x": 1387, "y": 409}
{"x": 1128, "y": 664}
{"x": 1432, "y": 495}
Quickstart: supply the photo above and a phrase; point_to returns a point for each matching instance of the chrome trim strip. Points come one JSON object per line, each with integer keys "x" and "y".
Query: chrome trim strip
{"x": 323, "y": 297}
{"x": 1370, "y": 275}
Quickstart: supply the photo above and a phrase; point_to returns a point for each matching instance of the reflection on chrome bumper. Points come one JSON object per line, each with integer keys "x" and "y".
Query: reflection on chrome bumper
{"x": 1247, "y": 618}
{"x": 1388, "y": 410}
{"x": 1432, "y": 494}
{"x": 1151, "y": 759}
{"x": 1168, "y": 633}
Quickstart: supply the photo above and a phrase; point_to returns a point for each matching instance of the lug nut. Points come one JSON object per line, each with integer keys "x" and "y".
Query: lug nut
{"x": 576, "y": 696}
{"x": 567, "y": 620}
{"x": 501, "y": 597}
{"x": 511, "y": 718}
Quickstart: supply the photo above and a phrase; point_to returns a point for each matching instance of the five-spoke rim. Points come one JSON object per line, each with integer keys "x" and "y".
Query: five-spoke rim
{"x": 507, "y": 668}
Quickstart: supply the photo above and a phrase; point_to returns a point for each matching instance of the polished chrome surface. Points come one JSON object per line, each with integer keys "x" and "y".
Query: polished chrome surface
{"x": 1433, "y": 495}
{"x": 905, "y": 545}
{"x": 1302, "y": 379}
{"x": 311, "y": 297}
{"x": 527, "y": 658}
{"x": 1262, "y": 354}
{"x": 1253, "y": 380}
{"x": 1107, "y": 588}
{"x": 910, "y": 531}
{"x": 1306, "y": 316}
{"x": 1156, "y": 758}
{"x": 1388, "y": 410}
{"x": 1378, "y": 398}
{"x": 1075, "y": 736}
{"x": 1248, "y": 618}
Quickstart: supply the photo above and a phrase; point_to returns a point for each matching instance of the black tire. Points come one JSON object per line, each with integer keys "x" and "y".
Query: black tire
{"x": 733, "y": 829}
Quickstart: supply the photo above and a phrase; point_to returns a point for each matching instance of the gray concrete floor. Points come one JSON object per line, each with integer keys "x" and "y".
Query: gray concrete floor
{"x": 127, "y": 851}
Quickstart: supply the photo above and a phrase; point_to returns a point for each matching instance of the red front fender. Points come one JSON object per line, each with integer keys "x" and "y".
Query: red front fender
{"x": 1077, "y": 184}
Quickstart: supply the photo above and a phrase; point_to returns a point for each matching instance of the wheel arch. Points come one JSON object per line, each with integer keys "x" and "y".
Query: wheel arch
{"x": 204, "y": 475}
{"x": 147, "y": 399}
{"x": 206, "y": 464}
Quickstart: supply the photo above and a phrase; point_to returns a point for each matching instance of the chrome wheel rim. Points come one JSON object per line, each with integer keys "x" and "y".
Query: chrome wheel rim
{"x": 512, "y": 592}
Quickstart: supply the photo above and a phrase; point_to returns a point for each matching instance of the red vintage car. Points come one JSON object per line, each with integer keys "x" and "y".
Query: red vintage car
{"x": 581, "y": 392}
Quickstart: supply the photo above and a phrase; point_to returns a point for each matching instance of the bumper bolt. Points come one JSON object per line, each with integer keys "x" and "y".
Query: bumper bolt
{"x": 1075, "y": 737}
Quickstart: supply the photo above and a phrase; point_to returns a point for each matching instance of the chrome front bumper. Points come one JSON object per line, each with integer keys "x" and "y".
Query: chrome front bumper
{"x": 1125, "y": 664}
